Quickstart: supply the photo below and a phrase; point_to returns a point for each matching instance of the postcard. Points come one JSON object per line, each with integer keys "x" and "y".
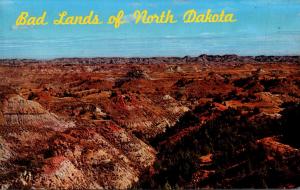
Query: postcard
{"x": 149, "y": 94}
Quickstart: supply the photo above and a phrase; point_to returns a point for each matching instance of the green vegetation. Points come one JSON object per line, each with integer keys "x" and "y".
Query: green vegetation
{"x": 238, "y": 160}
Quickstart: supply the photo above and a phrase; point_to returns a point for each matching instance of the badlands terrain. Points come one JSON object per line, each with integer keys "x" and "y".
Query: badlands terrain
{"x": 121, "y": 123}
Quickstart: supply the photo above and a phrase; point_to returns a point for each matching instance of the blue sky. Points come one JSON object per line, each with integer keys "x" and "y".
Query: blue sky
{"x": 264, "y": 27}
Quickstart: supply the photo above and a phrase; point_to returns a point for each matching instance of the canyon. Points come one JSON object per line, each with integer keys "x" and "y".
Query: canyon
{"x": 162, "y": 122}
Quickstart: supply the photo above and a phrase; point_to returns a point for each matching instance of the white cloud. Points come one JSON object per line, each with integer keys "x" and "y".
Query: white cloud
{"x": 135, "y": 4}
{"x": 6, "y": 2}
{"x": 14, "y": 27}
{"x": 129, "y": 18}
{"x": 182, "y": 2}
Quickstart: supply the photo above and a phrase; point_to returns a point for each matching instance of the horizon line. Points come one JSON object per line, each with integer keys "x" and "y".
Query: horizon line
{"x": 151, "y": 57}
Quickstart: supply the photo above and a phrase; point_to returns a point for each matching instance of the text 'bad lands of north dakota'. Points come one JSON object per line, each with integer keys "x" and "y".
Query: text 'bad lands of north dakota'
{"x": 137, "y": 17}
